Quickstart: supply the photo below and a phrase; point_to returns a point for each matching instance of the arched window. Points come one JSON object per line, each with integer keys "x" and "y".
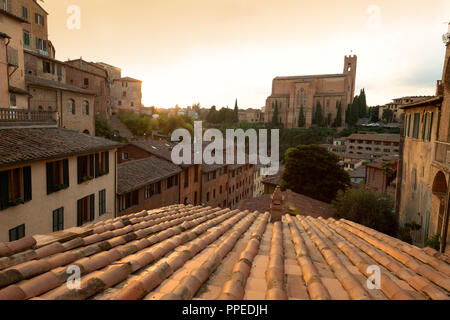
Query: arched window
{"x": 40, "y": 108}
{"x": 85, "y": 108}
{"x": 71, "y": 106}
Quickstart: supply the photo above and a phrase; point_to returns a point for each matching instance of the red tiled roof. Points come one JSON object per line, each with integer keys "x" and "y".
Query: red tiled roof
{"x": 186, "y": 252}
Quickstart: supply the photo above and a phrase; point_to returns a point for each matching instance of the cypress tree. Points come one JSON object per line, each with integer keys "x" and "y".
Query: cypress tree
{"x": 319, "y": 114}
{"x": 301, "y": 117}
{"x": 338, "y": 120}
{"x": 236, "y": 112}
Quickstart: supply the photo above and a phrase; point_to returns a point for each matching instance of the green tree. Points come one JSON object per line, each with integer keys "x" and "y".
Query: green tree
{"x": 313, "y": 171}
{"x": 275, "y": 120}
{"x": 103, "y": 128}
{"x": 374, "y": 114}
{"x": 388, "y": 115}
{"x": 212, "y": 116}
{"x": 236, "y": 112}
{"x": 318, "y": 115}
{"x": 338, "y": 120}
{"x": 367, "y": 207}
{"x": 329, "y": 119}
{"x": 301, "y": 117}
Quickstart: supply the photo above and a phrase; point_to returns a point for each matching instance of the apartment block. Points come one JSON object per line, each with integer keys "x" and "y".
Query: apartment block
{"x": 372, "y": 145}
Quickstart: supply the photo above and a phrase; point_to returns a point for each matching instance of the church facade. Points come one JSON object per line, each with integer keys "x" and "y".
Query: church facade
{"x": 290, "y": 94}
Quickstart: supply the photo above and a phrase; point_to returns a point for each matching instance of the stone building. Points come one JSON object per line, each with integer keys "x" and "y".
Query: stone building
{"x": 424, "y": 180}
{"x": 12, "y": 26}
{"x": 396, "y": 104}
{"x": 373, "y": 145}
{"x": 93, "y": 77}
{"x": 381, "y": 175}
{"x": 289, "y": 94}
{"x": 53, "y": 179}
{"x": 251, "y": 115}
{"x": 126, "y": 94}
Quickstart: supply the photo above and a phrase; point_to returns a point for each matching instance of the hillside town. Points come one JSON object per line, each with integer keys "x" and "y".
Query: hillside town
{"x": 87, "y": 179}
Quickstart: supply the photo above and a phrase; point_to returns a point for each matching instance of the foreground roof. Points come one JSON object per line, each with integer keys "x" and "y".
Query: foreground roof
{"x": 186, "y": 252}
{"x": 19, "y": 146}
{"x": 133, "y": 175}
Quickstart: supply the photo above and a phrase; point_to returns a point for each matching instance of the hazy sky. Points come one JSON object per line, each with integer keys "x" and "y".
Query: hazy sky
{"x": 214, "y": 51}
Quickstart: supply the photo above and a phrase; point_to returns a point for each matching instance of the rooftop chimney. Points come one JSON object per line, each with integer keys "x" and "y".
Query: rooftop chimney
{"x": 277, "y": 205}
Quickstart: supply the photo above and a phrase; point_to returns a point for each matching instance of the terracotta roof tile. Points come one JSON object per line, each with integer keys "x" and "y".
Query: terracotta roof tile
{"x": 178, "y": 252}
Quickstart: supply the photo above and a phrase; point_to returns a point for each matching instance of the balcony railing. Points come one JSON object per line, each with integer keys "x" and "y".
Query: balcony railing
{"x": 20, "y": 115}
{"x": 13, "y": 57}
{"x": 442, "y": 154}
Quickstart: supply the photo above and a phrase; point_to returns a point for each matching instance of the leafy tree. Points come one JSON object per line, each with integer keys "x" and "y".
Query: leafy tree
{"x": 275, "y": 120}
{"x": 301, "y": 117}
{"x": 103, "y": 128}
{"x": 374, "y": 114}
{"x": 212, "y": 116}
{"x": 315, "y": 172}
{"x": 388, "y": 115}
{"x": 367, "y": 207}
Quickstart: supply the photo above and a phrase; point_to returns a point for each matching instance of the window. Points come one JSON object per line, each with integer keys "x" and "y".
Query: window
{"x": 124, "y": 155}
{"x": 26, "y": 39}
{"x": 85, "y": 210}
{"x": 85, "y": 168}
{"x": 41, "y": 44}
{"x": 25, "y": 13}
{"x": 124, "y": 94}
{"x": 85, "y": 108}
{"x": 101, "y": 164}
{"x": 58, "y": 220}
{"x": 86, "y": 81}
{"x": 4, "y": 5}
{"x": 128, "y": 200}
{"x": 71, "y": 106}
{"x": 15, "y": 187}
{"x": 430, "y": 126}
{"x": 196, "y": 172}
{"x": 172, "y": 182}
{"x": 120, "y": 102}
{"x": 48, "y": 67}
{"x": 416, "y": 125}
{"x": 221, "y": 190}
{"x": 152, "y": 189}
{"x": 39, "y": 19}
{"x": 132, "y": 103}
{"x": 17, "y": 233}
{"x": 12, "y": 100}
{"x": 57, "y": 176}
{"x": 101, "y": 202}
{"x": 424, "y": 125}
{"x": 207, "y": 197}
{"x": 186, "y": 178}
{"x": 214, "y": 193}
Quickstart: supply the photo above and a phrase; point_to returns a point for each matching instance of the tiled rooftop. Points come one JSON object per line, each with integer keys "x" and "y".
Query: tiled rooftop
{"x": 27, "y": 145}
{"x": 135, "y": 174}
{"x": 186, "y": 252}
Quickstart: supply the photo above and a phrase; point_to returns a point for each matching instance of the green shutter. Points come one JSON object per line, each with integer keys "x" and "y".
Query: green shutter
{"x": 430, "y": 128}
{"x": 97, "y": 165}
{"x": 107, "y": 162}
{"x": 49, "y": 177}
{"x": 4, "y": 190}
{"x": 79, "y": 213}
{"x": 66, "y": 172}
{"x": 92, "y": 207}
{"x": 80, "y": 170}
{"x": 91, "y": 165}
{"x": 27, "y": 184}
{"x": 424, "y": 125}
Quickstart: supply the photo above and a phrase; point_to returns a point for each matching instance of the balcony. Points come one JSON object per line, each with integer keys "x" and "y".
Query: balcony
{"x": 442, "y": 154}
{"x": 13, "y": 57}
{"x": 19, "y": 117}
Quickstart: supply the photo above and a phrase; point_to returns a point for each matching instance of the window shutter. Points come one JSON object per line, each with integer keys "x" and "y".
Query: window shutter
{"x": 107, "y": 161}
{"x": 430, "y": 128}
{"x": 66, "y": 172}
{"x": 4, "y": 189}
{"x": 97, "y": 165}
{"x": 49, "y": 177}
{"x": 44, "y": 45}
{"x": 79, "y": 213}
{"x": 55, "y": 220}
{"x": 92, "y": 207}
{"x": 61, "y": 219}
{"x": 80, "y": 170}
{"x": 91, "y": 165}
{"x": 27, "y": 184}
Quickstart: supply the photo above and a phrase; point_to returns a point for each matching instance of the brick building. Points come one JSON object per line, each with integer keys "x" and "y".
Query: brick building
{"x": 289, "y": 94}
{"x": 126, "y": 94}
